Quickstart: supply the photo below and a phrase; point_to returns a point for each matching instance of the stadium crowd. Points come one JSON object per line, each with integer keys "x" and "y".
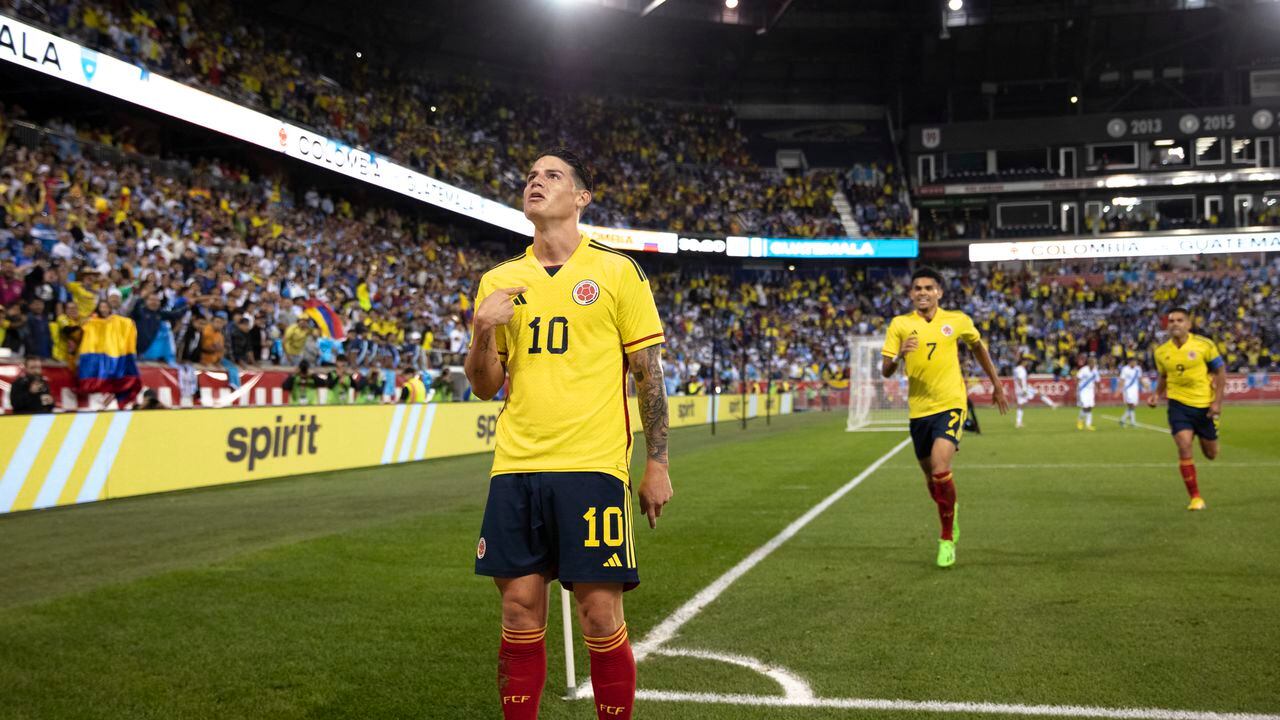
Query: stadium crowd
{"x": 677, "y": 168}
{"x": 217, "y": 268}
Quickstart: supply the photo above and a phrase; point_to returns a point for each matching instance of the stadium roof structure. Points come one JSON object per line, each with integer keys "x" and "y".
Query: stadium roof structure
{"x": 991, "y": 58}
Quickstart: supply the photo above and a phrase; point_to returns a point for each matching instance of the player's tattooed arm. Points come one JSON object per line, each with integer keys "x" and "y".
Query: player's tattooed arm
{"x": 651, "y": 392}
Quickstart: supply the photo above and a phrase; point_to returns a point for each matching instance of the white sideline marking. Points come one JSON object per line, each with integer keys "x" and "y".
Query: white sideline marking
{"x": 668, "y": 628}
{"x": 1141, "y": 424}
{"x": 793, "y": 686}
{"x": 938, "y": 706}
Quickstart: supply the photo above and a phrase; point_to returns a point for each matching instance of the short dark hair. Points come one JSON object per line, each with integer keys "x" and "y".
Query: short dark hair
{"x": 581, "y": 174}
{"x": 1178, "y": 309}
{"x": 927, "y": 272}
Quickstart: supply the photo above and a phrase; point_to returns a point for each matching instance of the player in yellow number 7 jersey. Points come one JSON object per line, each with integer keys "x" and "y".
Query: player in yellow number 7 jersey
{"x": 927, "y": 339}
{"x": 1185, "y": 363}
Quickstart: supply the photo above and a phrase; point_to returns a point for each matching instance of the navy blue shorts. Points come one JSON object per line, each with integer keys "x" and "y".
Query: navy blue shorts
{"x": 948, "y": 425}
{"x": 574, "y": 526}
{"x": 1197, "y": 420}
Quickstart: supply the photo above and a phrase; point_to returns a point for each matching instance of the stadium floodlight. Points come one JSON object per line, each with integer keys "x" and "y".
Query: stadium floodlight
{"x": 1075, "y": 99}
{"x": 955, "y": 5}
{"x": 653, "y": 5}
{"x": 731, "y": 4}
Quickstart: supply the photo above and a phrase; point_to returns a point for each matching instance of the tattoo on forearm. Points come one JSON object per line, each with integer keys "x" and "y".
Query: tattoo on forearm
{"x": 482, "y": 343}
{"x": 646, "y": 367}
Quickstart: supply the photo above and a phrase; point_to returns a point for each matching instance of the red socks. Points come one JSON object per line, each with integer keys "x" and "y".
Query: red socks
{"x": 613, "y": 674}
{"x": 1187, "y": 467}
{"x": 944, "y": 493}
{"x": 522, "y": 671}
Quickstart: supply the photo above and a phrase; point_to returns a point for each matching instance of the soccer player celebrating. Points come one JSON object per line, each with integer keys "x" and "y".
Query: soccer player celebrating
{"x": 1131, "y": 388}
{"x": 1023, "y": 393}
{"x": 1087, "y": 378}
{"x": 1183, "y": 364}
{"x": 563, "y": 321}
{"x": 927, "y": 339}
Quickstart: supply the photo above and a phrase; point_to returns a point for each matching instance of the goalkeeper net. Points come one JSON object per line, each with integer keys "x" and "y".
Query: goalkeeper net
{"x": 875, "y": 403}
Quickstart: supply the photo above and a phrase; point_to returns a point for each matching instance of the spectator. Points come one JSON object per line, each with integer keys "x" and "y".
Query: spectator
{"x": 30, "y": 392}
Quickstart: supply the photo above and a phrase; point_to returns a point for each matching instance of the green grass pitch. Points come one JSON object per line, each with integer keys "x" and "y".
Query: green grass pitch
{"x": 1081, "y": 581}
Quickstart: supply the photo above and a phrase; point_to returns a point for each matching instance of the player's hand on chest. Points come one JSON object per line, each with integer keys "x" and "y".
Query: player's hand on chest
{"x": 560, "y": 319}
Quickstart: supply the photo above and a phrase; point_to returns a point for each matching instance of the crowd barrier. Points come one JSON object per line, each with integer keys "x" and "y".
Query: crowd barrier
{"x": 64, "y": 459}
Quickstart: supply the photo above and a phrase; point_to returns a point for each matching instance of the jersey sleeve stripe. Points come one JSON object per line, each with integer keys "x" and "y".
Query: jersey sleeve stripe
{"x": 626, "y": 408}
{"x": 605, "y": 248}
{"x": 647, "y": 337}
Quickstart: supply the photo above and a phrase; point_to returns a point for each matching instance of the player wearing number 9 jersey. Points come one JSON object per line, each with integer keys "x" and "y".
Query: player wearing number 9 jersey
{"x": 928, "y": 340}
{"x": 563, "y": 323}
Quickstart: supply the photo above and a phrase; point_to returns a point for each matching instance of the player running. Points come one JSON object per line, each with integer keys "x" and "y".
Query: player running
{"x": 1023, "y": 393}
{"x": 564, "y": 321}
{"x": 1087, "y": 378}
{"x": 927, "y": 339}
{"x": 1131, "y": 389}
{"x": 1195, "y": 404}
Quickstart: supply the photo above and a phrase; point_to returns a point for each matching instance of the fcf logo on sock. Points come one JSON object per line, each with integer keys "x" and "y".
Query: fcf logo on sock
{"x": 514, "y": 699}
{"x": 612, "y": 709}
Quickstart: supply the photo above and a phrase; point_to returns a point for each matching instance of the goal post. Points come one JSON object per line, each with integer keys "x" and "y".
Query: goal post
{"x": 875, "y": 403}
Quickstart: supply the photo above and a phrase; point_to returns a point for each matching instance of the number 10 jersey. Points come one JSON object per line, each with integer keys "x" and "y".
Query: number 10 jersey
{"x": 565, "y": 350}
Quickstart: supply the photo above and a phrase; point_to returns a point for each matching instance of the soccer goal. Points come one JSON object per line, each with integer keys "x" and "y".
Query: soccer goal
{"x": 875, "y": 403}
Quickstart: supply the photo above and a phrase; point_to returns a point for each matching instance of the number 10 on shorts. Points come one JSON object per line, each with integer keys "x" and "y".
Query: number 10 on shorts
{"x": 611, "y": 519}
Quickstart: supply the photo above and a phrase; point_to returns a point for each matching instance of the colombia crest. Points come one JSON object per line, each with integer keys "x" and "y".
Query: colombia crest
{"x": 586, "y": 292}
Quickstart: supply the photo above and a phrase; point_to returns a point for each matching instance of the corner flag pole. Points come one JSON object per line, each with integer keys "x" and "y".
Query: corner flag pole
{"x": 566, "y": 613}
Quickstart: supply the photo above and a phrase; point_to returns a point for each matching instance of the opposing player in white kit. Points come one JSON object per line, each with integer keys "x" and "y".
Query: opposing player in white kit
{"x": 1023, "y": 391}
{"x": 1086, "y": 387}
{"x": 1131, "y": 387}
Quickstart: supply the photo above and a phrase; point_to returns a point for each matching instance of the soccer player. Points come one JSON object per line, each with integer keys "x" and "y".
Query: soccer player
{"x": 1087, "y": 378}
{"x": 927, "y": 339}
{"x": 564, "y": 321}
{"x": 1131, "y": 388}
{"x": 1023, "y": 393}
{"x": 1183, "y": 364}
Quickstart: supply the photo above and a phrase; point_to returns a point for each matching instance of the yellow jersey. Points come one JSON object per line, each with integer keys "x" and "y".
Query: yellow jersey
{"x": 565, "y": 351}
{"x": 1186, "y": 369}
{"x": 934, "y": 380}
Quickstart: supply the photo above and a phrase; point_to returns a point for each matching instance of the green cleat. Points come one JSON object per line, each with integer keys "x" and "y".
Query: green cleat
{"x": 946, "y": 553}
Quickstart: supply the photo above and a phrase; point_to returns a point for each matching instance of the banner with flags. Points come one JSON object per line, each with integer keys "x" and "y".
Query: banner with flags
{"x": 108, "y": 358}
{"x": 327, "y": 319}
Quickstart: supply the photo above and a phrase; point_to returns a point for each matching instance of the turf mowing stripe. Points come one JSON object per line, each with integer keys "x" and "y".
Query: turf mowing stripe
{"x": 938, "y": 706}
{"x": 667, "y": 629}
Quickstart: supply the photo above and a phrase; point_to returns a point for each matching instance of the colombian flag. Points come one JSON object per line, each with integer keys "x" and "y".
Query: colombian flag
{"x": 325, "y": 317}
{"x": 108, "y": 361}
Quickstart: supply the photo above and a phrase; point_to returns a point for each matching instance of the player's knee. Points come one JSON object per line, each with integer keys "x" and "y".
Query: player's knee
{"x": 523, "y": 610}
{"x": 599, "y": 614}
{"x": 1210, "y": 451}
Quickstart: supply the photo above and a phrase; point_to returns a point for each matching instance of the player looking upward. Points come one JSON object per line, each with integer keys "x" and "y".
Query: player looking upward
{"x": 1087, "y": 378}
{"x": 1184, "y": 364}
{"x": 1131, "y": 388}
{"x": 564, "y": 321}
{"x": 927, "y": 341}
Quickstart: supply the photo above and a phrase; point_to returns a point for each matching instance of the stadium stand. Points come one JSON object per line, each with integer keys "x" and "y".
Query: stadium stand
{"x": 678, "y": 168}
